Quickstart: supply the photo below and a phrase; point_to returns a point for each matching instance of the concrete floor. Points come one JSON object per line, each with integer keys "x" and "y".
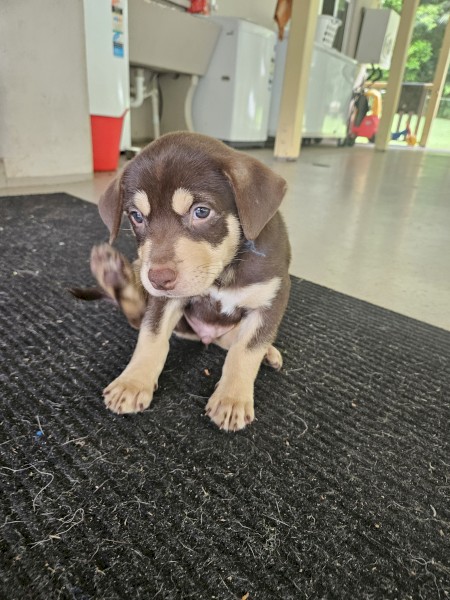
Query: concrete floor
{"x": 372, "y": 225}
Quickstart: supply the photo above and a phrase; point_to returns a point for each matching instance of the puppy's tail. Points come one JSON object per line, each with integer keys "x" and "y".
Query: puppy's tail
{"x": 89, "y": 294}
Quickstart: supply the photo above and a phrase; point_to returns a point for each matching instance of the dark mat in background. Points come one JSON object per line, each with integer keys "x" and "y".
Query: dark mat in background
{"x": 338, "y": 490}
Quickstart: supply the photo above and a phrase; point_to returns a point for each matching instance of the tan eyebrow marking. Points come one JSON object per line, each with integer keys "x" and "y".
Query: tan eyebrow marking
{"x": 141, "y": 202}
{"x": 182, "y": 201}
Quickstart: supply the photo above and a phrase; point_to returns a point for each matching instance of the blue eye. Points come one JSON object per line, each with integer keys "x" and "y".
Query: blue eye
{"x": 136, "y": 216}
{"x": 201, "y": 212}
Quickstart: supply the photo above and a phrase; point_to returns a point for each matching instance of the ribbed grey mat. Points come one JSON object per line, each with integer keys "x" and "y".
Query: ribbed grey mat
{"x": 339, "y": 490}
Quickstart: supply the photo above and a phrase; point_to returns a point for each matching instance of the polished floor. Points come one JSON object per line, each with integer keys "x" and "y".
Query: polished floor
{"x": 372, "y": 225}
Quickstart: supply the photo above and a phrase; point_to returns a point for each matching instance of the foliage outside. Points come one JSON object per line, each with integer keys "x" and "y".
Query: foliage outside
{"x": 431, "y": 20}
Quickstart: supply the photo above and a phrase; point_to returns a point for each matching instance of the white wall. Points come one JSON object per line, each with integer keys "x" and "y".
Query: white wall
{"x": 258, "y": 11}
{"x": 44, "y": 110}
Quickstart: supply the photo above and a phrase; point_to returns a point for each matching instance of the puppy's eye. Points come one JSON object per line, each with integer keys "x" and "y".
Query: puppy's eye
{"x": 201, "y": 212}
{"x": 136, "y": 216}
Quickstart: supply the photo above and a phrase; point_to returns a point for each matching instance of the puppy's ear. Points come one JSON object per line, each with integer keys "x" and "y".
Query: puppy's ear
{"x": 258, "y": 192}
{"x": 110, "y": 207}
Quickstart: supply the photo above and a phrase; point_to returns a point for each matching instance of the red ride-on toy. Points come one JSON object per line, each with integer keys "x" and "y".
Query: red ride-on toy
{"x": 365, "y": 111}
{"x": 366, "y": 117}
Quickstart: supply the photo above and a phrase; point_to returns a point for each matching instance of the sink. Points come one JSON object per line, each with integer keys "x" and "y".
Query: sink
{"x": 167, "y": 39}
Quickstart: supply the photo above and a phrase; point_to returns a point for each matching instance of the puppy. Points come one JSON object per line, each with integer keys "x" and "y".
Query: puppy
{"x": 213, "y": 266}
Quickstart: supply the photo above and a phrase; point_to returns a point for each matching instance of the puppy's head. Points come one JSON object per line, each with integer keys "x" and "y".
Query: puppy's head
{"x": 190, "y": 200}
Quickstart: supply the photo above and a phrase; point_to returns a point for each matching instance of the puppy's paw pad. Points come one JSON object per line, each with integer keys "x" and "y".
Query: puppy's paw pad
{"x": 123, "y": 396}
{"x": 111, "y": 269}
{"x": 273, "y": 358}
{"x": 230, "y": 414}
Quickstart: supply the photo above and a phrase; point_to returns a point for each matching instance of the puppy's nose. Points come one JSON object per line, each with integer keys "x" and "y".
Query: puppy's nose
{"x": 162, "y": 279}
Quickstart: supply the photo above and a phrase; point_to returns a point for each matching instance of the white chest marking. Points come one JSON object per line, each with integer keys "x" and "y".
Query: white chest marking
{"x": 256, "y": 295}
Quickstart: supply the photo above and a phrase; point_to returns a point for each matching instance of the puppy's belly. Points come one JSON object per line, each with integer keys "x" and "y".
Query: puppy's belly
{"x": 205, "y": 317}
{"x": 207, "y": 332}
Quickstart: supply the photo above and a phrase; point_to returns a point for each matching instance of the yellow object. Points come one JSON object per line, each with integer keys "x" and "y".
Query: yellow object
{"x": 411, "y": 140}
{"x": 374, "y": 99}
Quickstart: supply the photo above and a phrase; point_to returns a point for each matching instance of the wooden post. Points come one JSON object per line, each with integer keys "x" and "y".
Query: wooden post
{"x": 296, "y": 77}
{"x": 438, "y": 85}
{"x": 394, "y": 83}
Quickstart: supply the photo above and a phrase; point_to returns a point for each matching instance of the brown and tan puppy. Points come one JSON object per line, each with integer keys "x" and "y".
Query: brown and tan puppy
{"x": 213, "y": 266}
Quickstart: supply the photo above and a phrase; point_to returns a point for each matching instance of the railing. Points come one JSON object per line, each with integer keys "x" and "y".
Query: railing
{"x": 413, "y": 103}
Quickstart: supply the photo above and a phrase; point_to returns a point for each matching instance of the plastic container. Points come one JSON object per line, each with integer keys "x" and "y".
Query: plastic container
{"x": 106, "y": 133}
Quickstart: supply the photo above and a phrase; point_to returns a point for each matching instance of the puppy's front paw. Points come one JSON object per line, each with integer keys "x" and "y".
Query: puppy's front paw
{"x": 228, "y": 412}
{"x": 126, "y": 395}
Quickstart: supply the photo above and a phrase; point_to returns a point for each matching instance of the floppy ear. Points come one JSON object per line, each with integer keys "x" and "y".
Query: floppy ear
{"x": 110, "y": 207}
{"x": 258, "y": 192}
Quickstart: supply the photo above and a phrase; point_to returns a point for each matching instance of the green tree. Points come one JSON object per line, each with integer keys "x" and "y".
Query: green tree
{"x": 431, "y": 20}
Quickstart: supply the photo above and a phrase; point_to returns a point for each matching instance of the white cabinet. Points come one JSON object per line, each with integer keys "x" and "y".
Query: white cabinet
{"x": 377, "y": 37}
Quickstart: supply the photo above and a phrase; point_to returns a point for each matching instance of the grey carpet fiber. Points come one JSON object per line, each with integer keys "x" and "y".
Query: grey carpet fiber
{"x": 339, "y": 490}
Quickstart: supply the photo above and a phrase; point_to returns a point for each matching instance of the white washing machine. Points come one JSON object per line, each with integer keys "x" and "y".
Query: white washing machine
{"x": 330, "y": 86}
{"x": 232, "y": 100}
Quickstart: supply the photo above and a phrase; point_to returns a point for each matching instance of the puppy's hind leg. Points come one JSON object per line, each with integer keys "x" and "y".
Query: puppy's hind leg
{"x": 273, "y": 358}
{"x": 120, "y": 281}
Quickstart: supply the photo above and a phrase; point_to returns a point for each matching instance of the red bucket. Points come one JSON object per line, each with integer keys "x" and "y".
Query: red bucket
{"x": 106, "y": 134}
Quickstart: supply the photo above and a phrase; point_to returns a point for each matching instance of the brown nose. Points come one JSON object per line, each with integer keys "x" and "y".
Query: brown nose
{"x": 162, "y": 279}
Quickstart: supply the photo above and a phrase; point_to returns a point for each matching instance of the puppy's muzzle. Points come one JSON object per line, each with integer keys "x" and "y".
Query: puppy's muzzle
{"x": 162, "y": 279}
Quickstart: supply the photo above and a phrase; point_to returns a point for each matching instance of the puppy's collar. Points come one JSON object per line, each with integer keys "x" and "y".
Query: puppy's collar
{"x": 250, "y": 246}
